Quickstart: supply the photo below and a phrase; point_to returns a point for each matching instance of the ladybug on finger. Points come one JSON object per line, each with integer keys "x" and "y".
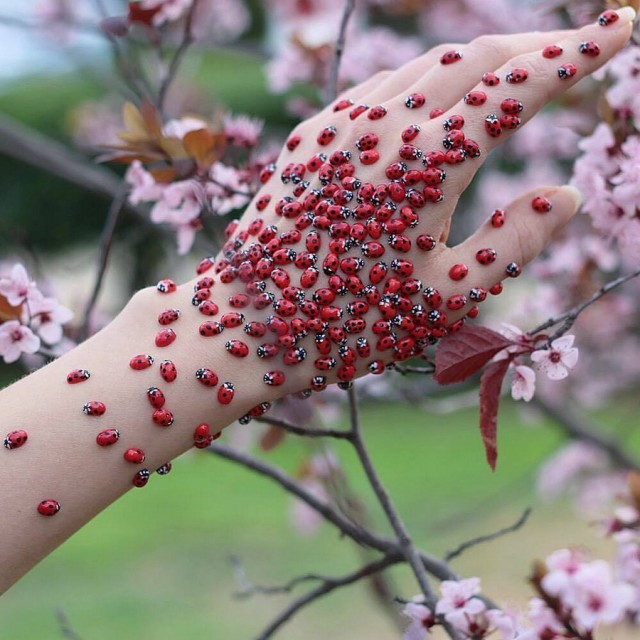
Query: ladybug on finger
{"x": 48, "y": 507}
{"x": 15, "y": 439}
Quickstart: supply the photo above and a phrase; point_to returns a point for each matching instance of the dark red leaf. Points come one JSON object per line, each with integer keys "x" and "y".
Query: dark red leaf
{"x": 467, "y": 351}
{"x": 140, "y": 15}
{"x": 490, "y": 385}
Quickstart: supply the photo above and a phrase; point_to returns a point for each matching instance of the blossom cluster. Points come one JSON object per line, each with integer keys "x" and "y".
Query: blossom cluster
{"x": 28, "y": 318}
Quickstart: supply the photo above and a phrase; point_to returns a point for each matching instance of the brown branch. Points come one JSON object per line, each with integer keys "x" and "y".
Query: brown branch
{"x": 569, "y": 317}
{"x": 406, "y": 368}
{"x": 65, "y": 626}
{"x": 490, "y": 536}
{"x": 331, "y": 90}
{"x": 308, "y": 432}
{"x": 328, "y": 585}
{"x": 574, "y": 426}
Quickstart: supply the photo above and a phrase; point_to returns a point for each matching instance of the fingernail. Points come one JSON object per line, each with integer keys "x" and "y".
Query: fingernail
{"x": 627, "y": 14}
{"x": 573, "y": 193}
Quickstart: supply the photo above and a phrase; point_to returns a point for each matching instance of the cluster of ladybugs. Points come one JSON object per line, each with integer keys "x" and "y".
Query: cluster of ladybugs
{"x": 341, "y": 214}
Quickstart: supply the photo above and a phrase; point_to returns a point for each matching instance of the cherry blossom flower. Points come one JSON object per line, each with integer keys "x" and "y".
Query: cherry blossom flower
{"x": 46, "y": 317}
{"x": 144, "y": 186}
{"x": 558, "y": 359}
{"x": 505, "y": 622}
{"x": 15, "y": 339}
{"x": 179, "y": 127}
{"x": 523, "y": 383}
{"x": 422, "y": 619}
{"x": 226, "y": 190}
{"x": 458, "y": 604}
{"x": 545, "y": 622}
{"x": 17, "y": 287}
{"x": 242, "y": 130}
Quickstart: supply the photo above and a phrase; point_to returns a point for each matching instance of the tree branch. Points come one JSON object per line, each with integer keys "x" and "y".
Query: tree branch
{"x": 328, "y": 585}
{"x": 488, "y": 537}
{"x": 65, "y": 626}
{"x": 331, "y": 90}
{"x": 574, "y": 427}
{"x": 308, "y": 432}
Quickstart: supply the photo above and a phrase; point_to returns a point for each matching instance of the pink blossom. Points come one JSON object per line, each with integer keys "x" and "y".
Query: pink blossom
{"x": 544, "y": 620}
{"x": 505, "y": 622}
{"x": 558, "y": 359}
{"x": 626, "y": 192}
{"x": 226, "y": 190}
{"x": 624, "y": 94}
{"x": 17, "y": 287}
{"x": 422, "y": 619}
{"x": 288, "y": 66}
{"x": 46, "y": 317}
{"x": 523, "y": 383}
{"x": 144, "y": 186}
{"x": 15, "y": 339}
{"x": 220, "y": 20}
{"x": 458, "y": 604}
{"x": 242, "y": 130}
{"x": 179, "y": 127}
{"x": 170, "y": 10}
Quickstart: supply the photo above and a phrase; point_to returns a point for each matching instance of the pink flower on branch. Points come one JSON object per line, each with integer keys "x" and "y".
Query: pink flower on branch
{"x": 46, "y": 317}
{"x": 523, "y": 383}
{"x": 422, "y": 619}
{"x": 18, "y": 288}
{"x": 558, "y": 359}
{"x": 459, "y": 605}
{"x": 16, "y": 339}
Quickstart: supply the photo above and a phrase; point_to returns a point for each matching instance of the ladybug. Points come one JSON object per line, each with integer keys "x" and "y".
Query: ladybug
{"x": 410, "y": 133}
{"x": 165, "y": 337}
{"x": 162, "y": 417}
{"x": 231, "y": 227}
{"x": 369, "y": 157}
{"x": 261, "y": 204}
{"x": 492, "y": 125}
{"x": 355, "y": 325}
{"x": 478, "y": 294}
{"x": 453, "y": 123}
{"x": 513, "y": 269}
{"x": 293, "y": 142}
{"x": 395, "y": 171}
{"x": 367, "y": 141}
{"x": 138, "y": 363}
{"x": 141, "y": 478}
{"x": 400, "y": 242}
{"x": 259, "y": 410}
{"x": 486, "y": 256}
{"x": 94, "y": 408}
{"x": 372, "y": 249}
{"x": 607, "y": 18}
{"x": 471, "y": 148}
{"x": 433, "y": 194}
{"x": 78, "y": 375}
{"x": 108, "y": 437}
{"x": 455, "y": 156}
{"x": 237, "y": 348}
{"x": 396, "y": 192}
{"x": 434, "y": 176}
{"x": 226, "y": 393}
{"x": 498, "y": 218}
{"x": 517, "y": 76}
{"x": 164, "y": 469}
{"x": 412, "y": 177}
{"x": 206, "y": 377}
{"x": 326, "y": 135}
{"x": 378, "y": 272}
{"x": 541, "y": 205}
{"x": 202, "y": 433}
{"x": 239, "y": 301}
{"x": 208, "y": 329}
{"x": 342, "y": 104}
{"x": 377, "y": 113}
{"x": 232, "y": 320}
{"x": 156, "y": 397}
{"x": 456, "y": 326}
{"x": 357, "y": 111}
{"x": 434, "y": 158}
{"x": 351, "y": 183}
{"x": 490, "y": 79}
{"x": 552, "y": 51}
{"x": 432, "y": 297}
{"x": 404, "y": 268}
{"x": 325, "y": 364}
{"x": 346, "y": 372}
{"x": 166, "y": 286}
{"x": 308, "y": 308}
{"x": 435, "y": 113}
{"x": 453, "y": 140}
{"x": 318, "y": 383}
{"x": 316, "y": 161}
{"x": 508, "y": 121}
{"x": 168, "y": 371}
{"x": 437, "y": 317}
{"x": 168, "y": 316}
{"x": 376, "y": 367}
{"x": 274, "y": 378}
{"x": 309, "y": 277}
{"x": 204, "y": 265}
{"x": 277, "y": 325}
{"x": 414, "y": 101}
{"x": 15, "y": 439}
{"x": 134, "y": 455}
{"x": 204, "y": 283}
{"x": 496, "y": 289}
{"x": 358, "y": 308}
{"x": 475, "y": 98}
{"x": 425, "y": 242}
{"x": 409, "y": 152}
{"x": 48, "y": 507}
{"x": 458, "y": 271}
{"x": 450, "y": 57}
{"x": 473, "y": 312}
{"x": 208, "y": 308}
{"x": 255, "y": 329}
{"x": 351, "y": 266}
{"x": 200, "y": 296}
{"x": 567, "y": 71}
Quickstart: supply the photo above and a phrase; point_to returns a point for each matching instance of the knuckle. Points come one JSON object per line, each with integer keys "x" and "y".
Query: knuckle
{"x": 493, "y": 48}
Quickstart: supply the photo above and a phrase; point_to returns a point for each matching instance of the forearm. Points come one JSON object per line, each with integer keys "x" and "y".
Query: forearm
{"x": 61, "y": 459}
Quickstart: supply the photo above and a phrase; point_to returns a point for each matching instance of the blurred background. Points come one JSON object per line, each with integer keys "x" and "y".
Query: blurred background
{"x": 168, "y": 562}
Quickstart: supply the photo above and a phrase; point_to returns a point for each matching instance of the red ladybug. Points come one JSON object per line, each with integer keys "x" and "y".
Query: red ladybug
{"x": 377, "y": 113}
{"x": 552, "y": 51}
{"x": 399, "y": 242}
{"x": 435, "y": 113}
{"x": 164, "y": 469}
{"x": 208, "y": 308}
{"x": 496, "y": 289}
{"x": 414, "y": 101}
{"x": 168, "y": 316}
{"x": 471, "y": 148}
{"x": 255, "y": 329}
{"x": 15, "y": 439}
{"x": 206, "y": 377}
{"x": 318, "y": 383}
{"x": 432, "y": 297}
{"x": 541, "y": 204}
{"x": 490, "y": 79}
{"x": 226, "y": 393}
{"x": 517, "y": 76}
{"x": 237, "y": 348}
{"x": 475, "y": 98}
{"x": 168, "y": 371}
{"x": 478, "y": 294}
{"x": 508, "y": 121}
{"x": 293, "y": 142}
{"x": 156, "y": 397}
{"x": 367, "y": 141}
{"x": 498, "y": 218}
{"x": 342, "y": 104}
{"x": 458, "y": 271}
{"x": 141, "y": 478}
{"x": 78, "y": 375}
{"x": 355, "y": 325}
{"x": 376, "y": 367}
{"x": 608, "y": 18}
{"x": 450, "y": 57}
{"x": 513, "y": 269}
{"x": 261, "y": 204}
{"x": 486, "y": 256}
{"x": 162, "y": 417}
{"x": 232, "y": 320}
{"x": 200, "y": 296}
{"x": 208, "y": 329}
{"x": 591, "y": 49}
{"x": 326, "y": 135}
{"x": 108, "y": 437}
{"x": 266, "y": 173}
{"x": 204, "y": 265}
{"x": 166, "y": 286}
{"x": 165, "y": 337}
{"x": 456, "y": 302}
{"x": 492, "y": 125}
{"x": 369, "y": 157}
{"x": 567, "y": 71}
{"x": 410, "y": 133}
{"x": 94, "y": 408}
{"x": 409, "y": 152}
{"x": 48, "y": 507}
{"x": 357, "y": 111}
{"x": 134, "y": 455}
{"x": 274, "y": 378}
{"x": 143, "y": 361}
{"x": 325, "y": 364}
{"x": 511, "y": 106}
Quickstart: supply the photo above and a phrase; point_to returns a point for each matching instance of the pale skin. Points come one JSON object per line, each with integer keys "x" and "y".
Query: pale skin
{"x": 61, "y": 459}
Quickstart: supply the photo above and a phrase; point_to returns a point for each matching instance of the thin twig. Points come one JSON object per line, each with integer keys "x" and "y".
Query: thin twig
{"x": 569, "y": 317}
{"x": 106, "y": 242}
{"x": 404, "y": 539}
{"x": 433, "y": 565}
{"x": 407, "y": 368}
{"x": 65, "y": 626}
{"x": 490, "y": 536}
{"x": 327, "y": 586}
{"x": 574, "y": 427}
{"x": 309, "y": 432}
{"x": 187, "y": 41}
{"x": 331, "y": 90}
